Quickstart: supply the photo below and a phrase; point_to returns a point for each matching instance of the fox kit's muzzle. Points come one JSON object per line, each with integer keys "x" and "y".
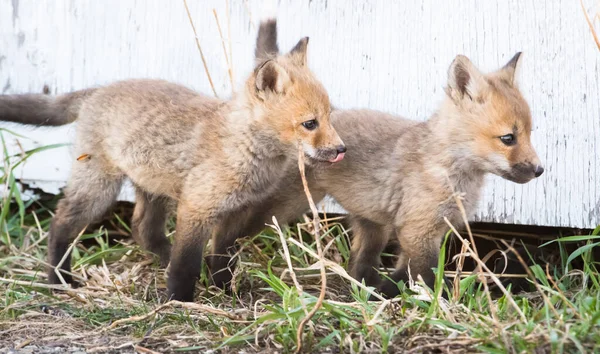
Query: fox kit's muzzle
{"x": 524, "y": 172}
{"x": 340, "y": 153}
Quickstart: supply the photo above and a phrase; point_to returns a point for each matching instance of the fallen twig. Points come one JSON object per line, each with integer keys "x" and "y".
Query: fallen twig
{"x": 321, "y": 258}
{"x": 560, "y": 292}
{"x": 37, "y": 285}
{"x": 175, "y": 303}
{"x": 141, "y": 349}
{"x": 590, "y": 24}
{"x": 339, "y": 270}
{"x": 200, "y": 49}
{"x": 487, "y": 270}
{"x": 224, "y": 51}
{"x": 228, "y": 12}
{"x": 57, "y": 268}
{"x": 247, "y": 6}
{"x": 286, "y": 254}
{"x": 475, "y": 254}
{"x": 532, "y": 276}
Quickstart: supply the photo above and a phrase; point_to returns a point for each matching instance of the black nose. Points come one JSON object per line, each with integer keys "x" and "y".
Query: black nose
{"x": 341, "y": 149}
{"x": 538, "y": 171}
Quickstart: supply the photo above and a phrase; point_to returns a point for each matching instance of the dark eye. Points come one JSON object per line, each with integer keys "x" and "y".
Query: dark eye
{"x": 508, "y": 139}
{"x": 310, "y": 124}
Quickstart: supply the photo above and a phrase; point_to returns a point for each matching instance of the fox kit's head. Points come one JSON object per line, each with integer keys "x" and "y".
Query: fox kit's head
{"x": 491, "y": 120}
{"x": 290, "y": 101}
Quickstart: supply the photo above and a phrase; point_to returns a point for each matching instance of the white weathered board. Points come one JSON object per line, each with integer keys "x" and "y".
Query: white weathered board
{"x": 385, "y": 55}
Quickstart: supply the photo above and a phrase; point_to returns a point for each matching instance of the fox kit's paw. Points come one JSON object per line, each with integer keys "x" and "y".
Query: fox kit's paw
{"x": 222, "y": 279}
{"x": 181, "y": 289}
{"x": 162, "y": 250}
{"x": 163, "y": 263}
{"x": 389, "y": 289}
{"x": 54, "y": 279}
{"x": 221, "y": 271}
{"x": 164, "y": 259}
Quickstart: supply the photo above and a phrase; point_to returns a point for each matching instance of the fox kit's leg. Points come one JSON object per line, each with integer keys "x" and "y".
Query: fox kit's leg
{"x": 369, "y": 240}
{"x": 148, "y": 226}
{"x": 250, "y": 221}
{"x": 206, "y": 201}
{"x": 420, "y": 244}
{"x": 191, "y": 234}
{"x": 392, "y": 251}
{"x": 235, "y": 225}
{"x": 89, "y": 194}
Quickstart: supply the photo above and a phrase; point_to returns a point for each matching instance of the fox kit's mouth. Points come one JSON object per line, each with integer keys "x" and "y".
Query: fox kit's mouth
{"x": 338, "y": 158}
{"x": 326, "y": 161}
{"x": 326, "y": 155}
{"x": 522, "y": 173}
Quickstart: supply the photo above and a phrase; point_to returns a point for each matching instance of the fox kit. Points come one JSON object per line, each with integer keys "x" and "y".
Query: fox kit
{"x": 211, "y": 157}
{"x": 399, "y": 176}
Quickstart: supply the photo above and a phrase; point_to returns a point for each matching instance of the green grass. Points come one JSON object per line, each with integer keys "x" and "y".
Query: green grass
{"x": 561, "y": 315}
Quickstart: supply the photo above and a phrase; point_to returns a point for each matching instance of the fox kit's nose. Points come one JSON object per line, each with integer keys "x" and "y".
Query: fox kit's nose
{"x": 538, "y": 171}
{"x": 341, "y": 149}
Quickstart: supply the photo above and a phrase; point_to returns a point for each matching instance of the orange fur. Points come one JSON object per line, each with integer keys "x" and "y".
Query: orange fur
{"x": 213, "y": 158}
{"x": 400, "y": 177}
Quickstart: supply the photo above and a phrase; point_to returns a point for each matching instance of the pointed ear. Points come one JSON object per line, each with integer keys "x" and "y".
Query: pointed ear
{"x": 464, "y": 79}
{"x": 508, "y": 71}
{"x": 272, "y": 77}
{"x": 298, "y": 53}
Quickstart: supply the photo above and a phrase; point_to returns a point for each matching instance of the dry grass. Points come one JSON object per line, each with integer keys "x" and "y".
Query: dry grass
{"x": 121, "y": 306}
{"x": 292, "y": 293}
{"x": 593, "y": 21}
{"x": 212, "y": 85}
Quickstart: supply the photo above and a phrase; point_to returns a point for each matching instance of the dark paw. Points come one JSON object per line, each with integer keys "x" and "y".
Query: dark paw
{"x": 376, "y": 298}
{"x": 180, "y": 296}
{"x": 163, "y": 260}
{"x": 53, "y": 278}
{"x": 221, "y": 269}
{"x": 163, "y": 263}
{"x": 447, "y": 289}
{"x": 368, "y": 275}
{"x": 389, "y": 289}
{"x": 163, "y": 252}
{"x": 181, "y": 290}
{"x": 222, "y": 279}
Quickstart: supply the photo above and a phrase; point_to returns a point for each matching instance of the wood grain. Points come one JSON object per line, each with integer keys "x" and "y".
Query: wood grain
{"x": 384, "y": 55}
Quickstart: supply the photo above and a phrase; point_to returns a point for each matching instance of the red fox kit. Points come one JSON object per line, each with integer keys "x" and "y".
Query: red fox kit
{"x": 211, "y": 157}
{"x": 399, "y": 175}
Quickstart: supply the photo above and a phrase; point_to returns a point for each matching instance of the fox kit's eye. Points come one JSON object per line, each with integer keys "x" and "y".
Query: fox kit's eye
{"x": 310, "y": 124}
{"x": 508, "y": 139}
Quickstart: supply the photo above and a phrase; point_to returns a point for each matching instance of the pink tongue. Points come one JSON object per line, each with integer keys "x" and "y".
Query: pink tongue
{"x": 338, "y": 158}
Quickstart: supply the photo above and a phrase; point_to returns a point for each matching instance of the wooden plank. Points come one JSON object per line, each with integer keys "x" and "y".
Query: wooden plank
{"x": 385, "y": 55}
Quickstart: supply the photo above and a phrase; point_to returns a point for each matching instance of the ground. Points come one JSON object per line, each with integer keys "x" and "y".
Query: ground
{"x": 121, "y": 305}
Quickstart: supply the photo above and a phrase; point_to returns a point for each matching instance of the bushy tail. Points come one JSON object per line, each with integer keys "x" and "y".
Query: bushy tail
{"x": 266, "y": 41}
{"x": 43, "y": 110}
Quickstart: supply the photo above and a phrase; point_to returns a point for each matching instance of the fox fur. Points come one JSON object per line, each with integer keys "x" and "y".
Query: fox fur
{"x": 210, "y": 157}
{"x": 400, "y": 176}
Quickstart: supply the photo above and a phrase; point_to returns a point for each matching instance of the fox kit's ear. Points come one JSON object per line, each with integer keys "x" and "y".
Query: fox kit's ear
{"x": 508, "y": 71}
{"x": 272, "y": 77}
{"x": 464, "y": 79}
{"x": 298, "y": 53}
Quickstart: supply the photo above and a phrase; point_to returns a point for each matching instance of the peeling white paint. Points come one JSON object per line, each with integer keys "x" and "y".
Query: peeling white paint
{"x": 384, "y": 55}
